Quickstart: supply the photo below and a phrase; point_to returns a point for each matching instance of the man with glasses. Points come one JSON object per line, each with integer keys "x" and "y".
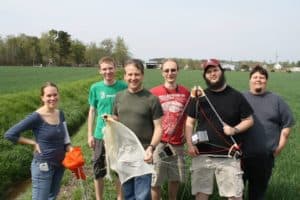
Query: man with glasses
{"x": 168, "y": 156}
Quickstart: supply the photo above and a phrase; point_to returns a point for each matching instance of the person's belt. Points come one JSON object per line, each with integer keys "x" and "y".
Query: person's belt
{"x": 171, "y": 143}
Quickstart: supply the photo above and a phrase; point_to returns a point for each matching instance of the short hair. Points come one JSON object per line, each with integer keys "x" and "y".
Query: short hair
{"x": 135, "y": 62}
{"x": 169, "y": 60}
{"x": 107, "y": 59}
{"x": 260, "y": 70}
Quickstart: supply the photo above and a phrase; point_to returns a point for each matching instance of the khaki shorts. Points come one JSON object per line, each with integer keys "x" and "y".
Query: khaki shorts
{"x": 227, "y": 171}
{"x": 171, "y": 168}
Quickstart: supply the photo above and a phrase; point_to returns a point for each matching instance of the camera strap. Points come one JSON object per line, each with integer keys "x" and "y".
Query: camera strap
{"x": 233, "y": 149}
{"x": 178, "y": 120}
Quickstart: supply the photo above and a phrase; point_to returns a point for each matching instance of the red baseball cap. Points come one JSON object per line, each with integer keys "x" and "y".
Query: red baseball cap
{"x": 211, "y": 62}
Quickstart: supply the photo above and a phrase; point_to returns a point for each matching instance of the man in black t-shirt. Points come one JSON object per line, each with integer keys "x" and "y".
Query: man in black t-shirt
{"x": 221, "y": 113}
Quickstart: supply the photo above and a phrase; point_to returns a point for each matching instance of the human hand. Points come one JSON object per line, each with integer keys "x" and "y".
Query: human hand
{"x": 36, "y": 148}
{"x": 229, "y": 130}
{"x": 69, "y": 148}
{"x": 196, "y": 92}
{"x": 276, "y": 152}
{"x": 91, "y": 141}
{"x": 193, "y": 150}
{"x": 235, "y": 151}
{"x": 108, "y": 117}
{"x": 148, "y": 157}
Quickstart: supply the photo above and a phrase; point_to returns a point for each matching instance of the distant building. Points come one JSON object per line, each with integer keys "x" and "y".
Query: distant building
{"x": 295, "y": 69}
{"x": 153, "y": 63}
{"x": 229, "y": 67}
{"x": 277, "y": 66}
{"x": 265, "y": 66}
{"x": 186, "y": 67}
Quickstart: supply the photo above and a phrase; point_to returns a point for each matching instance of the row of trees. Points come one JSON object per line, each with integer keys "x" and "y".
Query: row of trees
{"x": 59, "y": 49}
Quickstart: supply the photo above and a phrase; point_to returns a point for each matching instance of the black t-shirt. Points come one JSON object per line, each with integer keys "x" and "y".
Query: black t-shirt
{"x": 230, "y": 105}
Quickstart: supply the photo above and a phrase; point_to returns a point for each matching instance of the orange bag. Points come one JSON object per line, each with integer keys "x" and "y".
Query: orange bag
{"x": 74, "y": 161}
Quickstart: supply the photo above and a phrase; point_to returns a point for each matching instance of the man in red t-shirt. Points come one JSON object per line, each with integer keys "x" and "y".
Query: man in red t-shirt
{"x": 168, "y": 156}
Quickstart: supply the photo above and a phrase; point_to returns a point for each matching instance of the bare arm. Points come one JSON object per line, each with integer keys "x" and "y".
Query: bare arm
{"x": 189, "y": 129}
{"x": 91, "y": 118}
{"x": 23, "y": 140}
{"x": 239, "y": 128}
{"x": 157, "y": 133}
{"x": 285, "y": 132}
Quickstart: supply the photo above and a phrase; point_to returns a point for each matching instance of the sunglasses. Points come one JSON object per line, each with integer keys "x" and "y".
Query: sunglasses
{"x": 170, "y": 70}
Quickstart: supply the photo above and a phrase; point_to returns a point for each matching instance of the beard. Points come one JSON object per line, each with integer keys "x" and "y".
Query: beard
{"x": 217, "y": 85}
{"x": 258, "y": 90}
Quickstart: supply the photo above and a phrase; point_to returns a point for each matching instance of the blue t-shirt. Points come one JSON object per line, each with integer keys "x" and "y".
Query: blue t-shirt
{"x": 51, "y": 138}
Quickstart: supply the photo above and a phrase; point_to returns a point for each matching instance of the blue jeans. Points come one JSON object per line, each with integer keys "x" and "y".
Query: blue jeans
{"x": 45, "y": 180}
{"x": 138, "y": 188}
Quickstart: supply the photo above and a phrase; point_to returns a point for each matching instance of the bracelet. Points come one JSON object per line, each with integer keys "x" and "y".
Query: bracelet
{"x": 152, "y": 146}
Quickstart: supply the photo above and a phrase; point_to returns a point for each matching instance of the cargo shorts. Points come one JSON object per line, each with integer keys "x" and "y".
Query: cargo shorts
{"x": 171, "y": 168}
{"x": 227, "y": 171}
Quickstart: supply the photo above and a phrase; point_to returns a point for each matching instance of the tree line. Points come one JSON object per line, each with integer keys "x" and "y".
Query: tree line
{"x": 57, "y": 48}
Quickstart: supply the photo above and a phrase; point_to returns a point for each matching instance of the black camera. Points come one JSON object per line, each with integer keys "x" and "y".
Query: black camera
{"x": 167, "y": 151}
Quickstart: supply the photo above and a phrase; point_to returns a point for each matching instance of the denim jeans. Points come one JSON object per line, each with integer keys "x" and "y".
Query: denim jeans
{"x": 45, "y": 180}
{"x": 138, "y": 188}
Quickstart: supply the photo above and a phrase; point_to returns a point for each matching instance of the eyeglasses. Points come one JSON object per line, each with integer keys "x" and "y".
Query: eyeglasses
{"x": 170, "y": 70}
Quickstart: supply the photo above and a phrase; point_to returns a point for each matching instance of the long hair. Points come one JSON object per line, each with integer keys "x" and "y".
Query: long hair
{"x": 46, "y": 84}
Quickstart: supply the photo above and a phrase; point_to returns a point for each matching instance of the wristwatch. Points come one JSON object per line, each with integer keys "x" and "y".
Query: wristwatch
{"x": 236, "y": 130}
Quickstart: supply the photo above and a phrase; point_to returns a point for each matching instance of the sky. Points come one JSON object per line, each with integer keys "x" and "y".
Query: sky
{"x": 260, "y": 30}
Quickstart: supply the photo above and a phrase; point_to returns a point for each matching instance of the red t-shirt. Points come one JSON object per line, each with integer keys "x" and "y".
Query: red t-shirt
{"x": 173, "y": 104}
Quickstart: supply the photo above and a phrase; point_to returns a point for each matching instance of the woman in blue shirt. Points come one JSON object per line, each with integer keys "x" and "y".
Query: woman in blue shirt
{"x": 51, "y": 141}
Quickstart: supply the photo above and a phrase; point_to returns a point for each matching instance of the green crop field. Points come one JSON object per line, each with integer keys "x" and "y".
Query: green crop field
{"x": 14, "y": 79}
{"x": 286, "y": 175}
{"x": 285, "y": 181}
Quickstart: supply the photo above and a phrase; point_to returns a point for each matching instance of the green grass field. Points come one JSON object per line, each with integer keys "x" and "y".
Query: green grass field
{"x": 285, "y": 181}
{"x": 14, "y": 79}
{"x": 286, "y": 175}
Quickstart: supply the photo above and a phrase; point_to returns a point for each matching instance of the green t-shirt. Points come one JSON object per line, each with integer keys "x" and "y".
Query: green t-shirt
{"x": 101, "y": 97}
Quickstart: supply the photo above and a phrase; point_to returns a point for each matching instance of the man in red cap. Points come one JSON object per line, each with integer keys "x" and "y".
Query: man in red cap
{"x": 222, "y": 114}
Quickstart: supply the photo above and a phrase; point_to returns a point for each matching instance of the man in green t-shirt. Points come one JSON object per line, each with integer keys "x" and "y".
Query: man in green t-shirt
{"x": 101, "y": 98}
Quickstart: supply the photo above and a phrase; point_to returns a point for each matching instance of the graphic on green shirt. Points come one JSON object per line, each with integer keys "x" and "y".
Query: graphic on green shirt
{"x": 101, "y": 97}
